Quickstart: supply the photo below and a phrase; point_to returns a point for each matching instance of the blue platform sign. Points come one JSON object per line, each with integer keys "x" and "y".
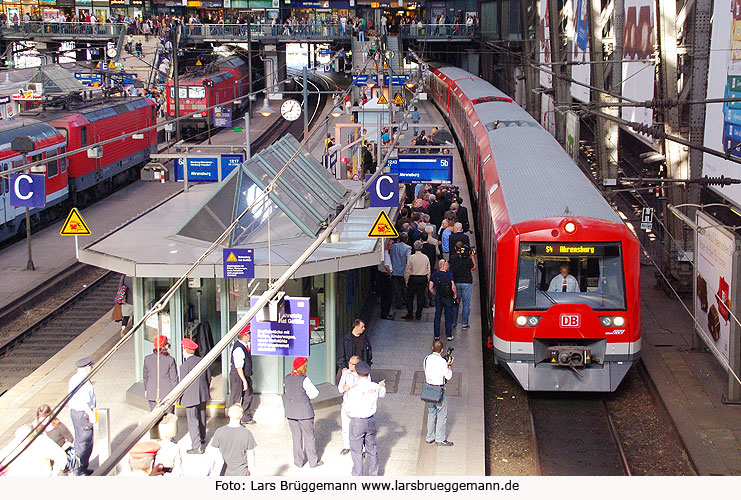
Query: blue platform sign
{"x": 360, "y": 80}
{"x": 582, "y": 24}
{"x": 223, "y": 117}
{"x": 324, "y": 52}
{"x": 385, "y": 191}
{"x": 28, "y": 190}
{"x": 239, "y": 263}
{"x": 206, "y": 169}
{"x": 287, "y": 337}
{"x": 89, "y": 79}
{"x": 396, "y": 80}
{"x": 422, "y": 168}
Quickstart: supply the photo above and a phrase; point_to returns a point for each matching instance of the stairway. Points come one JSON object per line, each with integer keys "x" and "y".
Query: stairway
{"x": 393, "y": 43}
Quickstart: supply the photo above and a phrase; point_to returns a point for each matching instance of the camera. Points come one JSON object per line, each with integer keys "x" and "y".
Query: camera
{"x": 449, "y": 353}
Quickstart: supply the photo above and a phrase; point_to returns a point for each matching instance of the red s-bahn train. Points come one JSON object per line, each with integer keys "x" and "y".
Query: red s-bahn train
{"x": 83, "y": 176}
{"x": 563, "y": 271}
{"x": 201, "y": 91}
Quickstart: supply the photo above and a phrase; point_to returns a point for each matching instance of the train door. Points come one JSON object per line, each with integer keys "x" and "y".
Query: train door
{"x": 4, "y": 194}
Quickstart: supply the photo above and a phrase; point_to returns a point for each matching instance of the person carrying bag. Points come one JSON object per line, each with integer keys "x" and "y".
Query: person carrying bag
{"x": 438, "y": 370}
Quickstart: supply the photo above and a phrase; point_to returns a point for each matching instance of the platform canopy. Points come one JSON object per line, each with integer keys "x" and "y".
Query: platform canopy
{"x": 56, "y": 80}
{"x": 305, "y": 197}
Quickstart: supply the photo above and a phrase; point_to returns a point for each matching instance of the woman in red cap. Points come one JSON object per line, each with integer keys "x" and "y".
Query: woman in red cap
{"x": 298, "y": 391}
{"x": 160, "y": 372}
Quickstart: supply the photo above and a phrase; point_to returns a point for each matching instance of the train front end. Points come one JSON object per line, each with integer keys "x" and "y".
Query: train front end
{"x": 567, "y": 304}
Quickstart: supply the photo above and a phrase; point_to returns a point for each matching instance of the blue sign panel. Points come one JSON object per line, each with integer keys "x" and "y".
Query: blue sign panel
{"x": 287, "y": 337}
{"x": 324, "y": 52}
{"x": 396, "y": 80}
{"x": 422, "y": 168}
{"x": 360, "y": 80}
{"x": 385, "y": 191}
{"x": 28, "y": 190}
{"x": 89, "y": 79}
{"x": 582, "y": 24}
{"x": 123, "y": 78}
{"x": 223, "y": 118}
{"x": 206, "y": 169}
{"x": 239, "y": 263}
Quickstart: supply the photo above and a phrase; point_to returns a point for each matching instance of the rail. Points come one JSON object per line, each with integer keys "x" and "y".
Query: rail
{"x": 39, "y": 29}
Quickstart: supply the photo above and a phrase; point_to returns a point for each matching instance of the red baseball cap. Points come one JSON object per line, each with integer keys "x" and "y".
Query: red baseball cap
{"x": 189, "y": 344}
{"x": 160, "y": 342}
{"x": 299, "y": 362}
{"x": 144, "y": 449}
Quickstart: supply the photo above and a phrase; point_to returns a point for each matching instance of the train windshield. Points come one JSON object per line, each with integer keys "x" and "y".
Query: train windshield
{"x": 196, "y": 92}
{"x": 570, "y": 273}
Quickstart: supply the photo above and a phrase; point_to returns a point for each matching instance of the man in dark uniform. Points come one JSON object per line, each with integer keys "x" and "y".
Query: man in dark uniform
{"x": 194, "y": 398}
{"x": 355, "y": 343}
{"x": 82, "y": 411}
{"x": 298, "y": 391}
{"x": 240, "y": 376}
{"x": 160, "y": 372}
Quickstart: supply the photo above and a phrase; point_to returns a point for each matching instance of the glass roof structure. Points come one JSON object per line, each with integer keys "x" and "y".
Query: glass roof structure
{"x": 303, "y": 199}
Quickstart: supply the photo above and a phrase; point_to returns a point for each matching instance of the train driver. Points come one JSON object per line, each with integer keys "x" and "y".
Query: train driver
{"x": 564, "y": 282}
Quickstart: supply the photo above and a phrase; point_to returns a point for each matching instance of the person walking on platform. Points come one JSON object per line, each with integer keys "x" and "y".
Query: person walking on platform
{"x": 240, "y": 376}
{"x": 400, "y": 252}
{"x": 194, "y": 398}
{"x": 82, "y": 411}
{"x": 385, "y": 286}
{"x": 355, "y": 343}
{"x": 443, "y": 288}
{"x": 462, "y": 263}
{"x": 160, "y": 373}
{"x": 236, "y": 444}
{"x": 438, "y": 370}
{"x": 360, "y": 407}
{"x": 298, "y": 391}
{"x": 417, "y": 275}
{"x": 348, "y": 380}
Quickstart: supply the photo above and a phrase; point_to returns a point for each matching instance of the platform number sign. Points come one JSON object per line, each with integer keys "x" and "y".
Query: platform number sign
{"x": 647, "y": 215}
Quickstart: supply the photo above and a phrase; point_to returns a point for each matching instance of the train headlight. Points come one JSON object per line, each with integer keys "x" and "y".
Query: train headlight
{"x": 569, "y": 227}
{"x": 606, "y": 321}
{"x": 533, "y": 321}
{"x": 521, "y": 320}
{"x": 618, "y": 321}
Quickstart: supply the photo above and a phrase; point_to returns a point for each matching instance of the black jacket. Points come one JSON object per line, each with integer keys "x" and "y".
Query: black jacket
{"x": 199, "y": 391}
{"x": 347, "y": 350}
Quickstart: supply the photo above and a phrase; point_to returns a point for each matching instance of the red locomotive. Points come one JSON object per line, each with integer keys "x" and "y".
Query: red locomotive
{"x": 562, "y": 269}
{"x": 226, "y": 80}
{"x": 84, "y": 176}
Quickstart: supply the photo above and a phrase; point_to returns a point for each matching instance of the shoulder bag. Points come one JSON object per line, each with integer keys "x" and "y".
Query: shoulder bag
{"x": 431, "y": 393}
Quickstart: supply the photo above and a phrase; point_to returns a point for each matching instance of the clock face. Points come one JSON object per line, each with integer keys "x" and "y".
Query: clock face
{"x": 290, "y": 109}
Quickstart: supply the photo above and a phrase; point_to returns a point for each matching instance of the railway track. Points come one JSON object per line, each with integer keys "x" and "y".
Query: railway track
{"x": 574, "y": 435}
{"x": 29, "y": 349}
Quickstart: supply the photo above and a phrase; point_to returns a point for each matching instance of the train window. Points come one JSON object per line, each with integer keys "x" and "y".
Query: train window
{"x": 154, "y": 114}
{"x": 172, "y": 93}
{"x": 183, "y": 92}
{"x": 196, "y": 92}
{"x": 64, "y": 132}
{"x": 83, "y": 136}
{"x": 570, "y": 273}
{"x": 52, "y": 169}
{"x": 63, "y": 161}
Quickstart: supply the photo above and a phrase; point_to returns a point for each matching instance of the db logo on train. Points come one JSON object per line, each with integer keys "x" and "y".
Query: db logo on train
{"x": 570, "y": 320}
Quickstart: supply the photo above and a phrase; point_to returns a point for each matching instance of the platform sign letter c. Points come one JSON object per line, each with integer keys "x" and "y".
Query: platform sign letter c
{"x": 379, "y": 193}
{"x": 17, "y": 186}
{"x": 385, "y": 191}
{"x": 28, "y": 190}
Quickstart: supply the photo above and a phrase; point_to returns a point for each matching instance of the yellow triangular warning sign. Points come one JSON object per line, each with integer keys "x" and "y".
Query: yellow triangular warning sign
{"x": 383, "y": 100}
{"x": 74, "y": 225}
{"x": 398, "y": 100}
{"x": 231, "y": 257}
{"x": 383, "y": 228}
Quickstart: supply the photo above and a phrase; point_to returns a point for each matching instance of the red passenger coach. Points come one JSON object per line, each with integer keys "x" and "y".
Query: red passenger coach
{"x": 562, "y": 269}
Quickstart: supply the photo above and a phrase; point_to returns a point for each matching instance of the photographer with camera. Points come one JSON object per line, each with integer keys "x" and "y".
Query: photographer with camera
{"x": 438, "y": 370}
{"x": 462, "y": 262}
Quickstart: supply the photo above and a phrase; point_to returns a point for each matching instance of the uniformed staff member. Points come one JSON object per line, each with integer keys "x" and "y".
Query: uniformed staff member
{"x": 240, "y": 376}
{"x": 82, "y": 412}
{"x": 360, "y": 406}
{"x": 141, "y": 460}
{"x": 328, "y": 143}
{"x": 194, "y": 398}
{"x": 160, "y": 372}
{"x": 298, "y": 391}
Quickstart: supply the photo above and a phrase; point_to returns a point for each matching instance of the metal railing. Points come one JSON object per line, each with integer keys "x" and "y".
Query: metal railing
{"x": 56, "y": 29}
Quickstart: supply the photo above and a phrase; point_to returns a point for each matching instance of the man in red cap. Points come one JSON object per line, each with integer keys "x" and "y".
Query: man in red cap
{"x": 195, "y": 397}
{"x": 298, "y": 391}
{"x": 240, "y": 376}
{"x": 141, "y": 460}
{"x": 160, "y": 372}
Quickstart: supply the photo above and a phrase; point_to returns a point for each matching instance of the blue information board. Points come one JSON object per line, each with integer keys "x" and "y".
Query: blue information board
{"x": 287, "y": 337}
{"x": 239, "y": 263}
{"x": 422, "y": 168}
{"x": 205, "y": 169}
{"x": 223, "y": 118}
{"x": 27, "y": 190}
{"x": 396, "y": 80}
{"x": 360, "y": 80}
{"x": 89, "y": 79}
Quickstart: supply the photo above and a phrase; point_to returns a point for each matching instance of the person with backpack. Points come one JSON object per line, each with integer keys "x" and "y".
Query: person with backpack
{"x": 443, "y": 288}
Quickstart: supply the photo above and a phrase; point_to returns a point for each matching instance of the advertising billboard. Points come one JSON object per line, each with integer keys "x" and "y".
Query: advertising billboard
{"x": 580, "y": 42}
{"x": 639, "y": 34}
{"x": 546, "y": 79}
{"x": 722, "y": 120}
{"x": 289, "y": 336}
{"x": 713, "y": 284}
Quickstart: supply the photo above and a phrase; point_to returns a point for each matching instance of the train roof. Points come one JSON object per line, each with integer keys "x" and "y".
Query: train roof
{"x": 537, "y": 177}
{"x": 198, "y": 79}
{"x": 19, "y": 127}
{"x": 107, "y": 109}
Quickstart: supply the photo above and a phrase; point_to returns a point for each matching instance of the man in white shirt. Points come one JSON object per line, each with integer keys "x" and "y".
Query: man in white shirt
{"x": 360, "y": 407}
{"x": 82, "y": 412}
{"x": 437, "y": 372}
{"x": 348, "y": 380}
{"x": 564, "y": 282}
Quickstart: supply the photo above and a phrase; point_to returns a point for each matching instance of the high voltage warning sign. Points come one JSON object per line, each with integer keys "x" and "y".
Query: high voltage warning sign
{"x": 383, "y": 100}
{"x": 383, "y": 228}
{"x": 75, "y": 225}
{"x": 398, "y": 100}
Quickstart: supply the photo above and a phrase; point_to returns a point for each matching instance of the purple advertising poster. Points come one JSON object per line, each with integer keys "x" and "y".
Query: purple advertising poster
{"x": 287, "y": 337}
